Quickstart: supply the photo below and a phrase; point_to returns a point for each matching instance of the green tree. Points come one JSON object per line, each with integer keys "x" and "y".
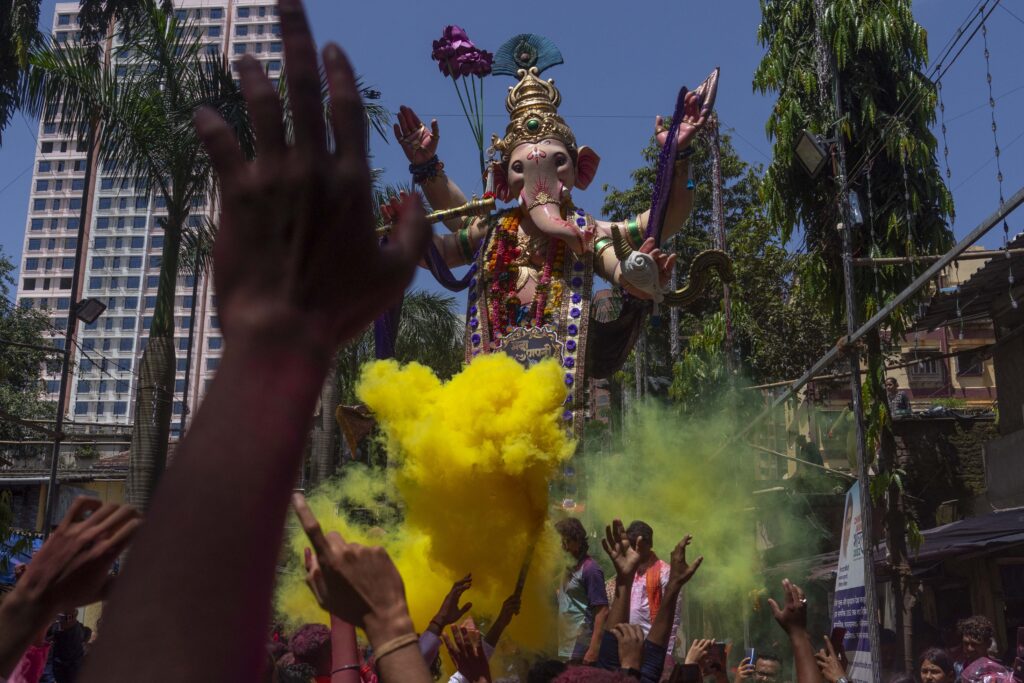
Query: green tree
{"x": 778, "y": 329}
{"x": 877, "y": 53}
{"x": 22, "y": 358}
{"x": 141, "y": 101}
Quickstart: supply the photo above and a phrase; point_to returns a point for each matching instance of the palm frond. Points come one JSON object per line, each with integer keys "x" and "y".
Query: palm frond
{"x": 196, "y": 254}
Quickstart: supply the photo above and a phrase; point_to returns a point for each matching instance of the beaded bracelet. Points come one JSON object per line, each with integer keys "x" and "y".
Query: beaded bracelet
{"x": 428, "y": 170}
{"x": 686, "y": 153}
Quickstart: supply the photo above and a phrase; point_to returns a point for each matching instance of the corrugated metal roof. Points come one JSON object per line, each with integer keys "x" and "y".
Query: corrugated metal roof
{"x": 973, "y": 299}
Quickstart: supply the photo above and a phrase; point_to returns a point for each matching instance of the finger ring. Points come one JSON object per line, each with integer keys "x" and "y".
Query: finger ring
{"x": 803, "y": 601}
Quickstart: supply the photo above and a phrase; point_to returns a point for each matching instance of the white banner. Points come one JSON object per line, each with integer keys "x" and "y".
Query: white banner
{"x": 849, "y": 611}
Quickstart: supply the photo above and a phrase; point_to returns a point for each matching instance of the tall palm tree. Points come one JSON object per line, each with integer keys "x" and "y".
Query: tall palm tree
{"x": 145, "y": 129}
{"x": 196, "y": 262}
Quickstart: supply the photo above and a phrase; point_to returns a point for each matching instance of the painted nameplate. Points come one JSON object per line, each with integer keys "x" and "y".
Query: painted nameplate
{"x": 530, "y": 345}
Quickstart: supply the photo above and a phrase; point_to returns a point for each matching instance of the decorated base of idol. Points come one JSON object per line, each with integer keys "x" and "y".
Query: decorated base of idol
{"x": 471, "y": 460}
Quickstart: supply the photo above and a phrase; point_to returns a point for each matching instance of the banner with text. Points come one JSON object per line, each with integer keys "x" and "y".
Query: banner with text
{"x": 849, "y": 610}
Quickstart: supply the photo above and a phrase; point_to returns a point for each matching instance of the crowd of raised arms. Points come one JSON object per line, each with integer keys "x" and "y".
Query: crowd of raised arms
{"x": 298, "y": 271}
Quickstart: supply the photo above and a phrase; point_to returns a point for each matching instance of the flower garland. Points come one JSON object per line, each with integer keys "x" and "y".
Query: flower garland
{"x": 504, "y": 303}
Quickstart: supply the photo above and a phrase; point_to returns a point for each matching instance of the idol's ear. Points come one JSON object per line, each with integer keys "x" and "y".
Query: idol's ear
{"x": 587, "y": 162}
{"x": 501, "y": 191}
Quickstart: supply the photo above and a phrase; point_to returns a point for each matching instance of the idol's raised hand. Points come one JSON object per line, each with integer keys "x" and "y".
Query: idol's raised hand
{"x": 296, "y": 258}
{"x": 694, "y": 118}
{"x": 418, "y": 143}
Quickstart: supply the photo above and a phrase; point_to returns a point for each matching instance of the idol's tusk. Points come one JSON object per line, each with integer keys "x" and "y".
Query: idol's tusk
{"x": 620, "y": 244}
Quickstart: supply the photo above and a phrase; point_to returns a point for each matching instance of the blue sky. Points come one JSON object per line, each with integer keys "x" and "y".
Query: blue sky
{"x": 624, "y": 64}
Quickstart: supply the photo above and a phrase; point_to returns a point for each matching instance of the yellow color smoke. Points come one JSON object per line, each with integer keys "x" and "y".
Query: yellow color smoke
{"x": 472, "y": 459}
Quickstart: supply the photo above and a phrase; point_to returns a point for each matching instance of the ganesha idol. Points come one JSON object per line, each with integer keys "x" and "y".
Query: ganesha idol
{"x": 532, "y": 267}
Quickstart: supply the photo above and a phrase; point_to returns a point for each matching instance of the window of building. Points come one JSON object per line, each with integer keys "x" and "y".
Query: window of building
{"x": 42, "y": 185}
{"x": 135, "y": 262}
{"x": 46, "y": 148}
{"x": 138, "y": 242}
{"x": 275, "y": 29}
{"x": 154, "y": 261}
{"x": 969, "y": 364}
{"x": 77, "y": 184}
{"x": 114, "y": 283}
{"x": 65, "y": 283}
{"x": 183, "y": 344}
{"x": 55, "y": 204}
{"x": 121, "y": 407}
{"x": 35, "y": 244}
{"x": 132, "y": 282}
{"x": 75, "y": 203}
{"x": 152, "y": 280}
{"x": 239, "y": 48}
{"x": 160, "y": 203}
{"x": 212, "y": 363}
{"x": 79, "y": 165}
{"x": 107, "y": 183}
{"x": 275, "y": 46}
{"x": 216, "y": 13}
{"x": 157, "y": 242}
{"x": 127, "y": 323}
{"x": 44, "y": 166}
{"x": 241, "y": 30}
{"x": 179, "y": 386}
{"x": 147, "y": 322}
{"x": 81, "y": 408}
{"x": 274, "y": 65}
{"x": 73, "y": 224}
{"x": 215, "y": 322}
{"x": 63, "y": 303}
{"x": 98, "y": 262}
{"x": 126, "y": 344}
{"x": 37, "y": 223}
{"x": 67, "y": 263}
{"x": 139, "y": 222}
{"x": 104, "y": 203}
{"x": 214, "y": 343}
{"x": 29, "y": 284}
{"x": 63, "y": 19}
{"x": 70, "y": 242}
{"x": 31, "y": 264}
{"x": 103, "y": 223}
{"x": 243, "y": 12}
{"x": 131, "y": 302}
{"x": 182, "y": 363}
{"x": 84, "y": 386}
{"x": 38, "y": 204}
{"x": 141, "y": 202}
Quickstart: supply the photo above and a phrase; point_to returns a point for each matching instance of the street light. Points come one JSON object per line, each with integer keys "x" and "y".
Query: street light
{"x": 811, "y": 153}
{"x": 87, "y": 310}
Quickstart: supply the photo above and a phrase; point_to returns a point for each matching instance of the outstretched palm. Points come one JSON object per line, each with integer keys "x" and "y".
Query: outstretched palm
{"x": 620, "y": 551}
{"x": 418, "y": 143}
{"x": 680, "y": 571}
{"x": 694, "y": 118}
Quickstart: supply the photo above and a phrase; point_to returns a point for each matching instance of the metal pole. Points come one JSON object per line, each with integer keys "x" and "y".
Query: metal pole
{"x": 863, "y": 483}
{"x": 718, "y": 221}
{"x": 69, "y": 334}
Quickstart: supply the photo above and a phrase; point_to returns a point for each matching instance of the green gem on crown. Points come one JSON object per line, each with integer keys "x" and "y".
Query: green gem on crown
{"x": 533, "y": 124}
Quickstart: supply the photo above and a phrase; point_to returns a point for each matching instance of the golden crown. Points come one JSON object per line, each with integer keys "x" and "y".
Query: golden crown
{"x": 532, "y": 105}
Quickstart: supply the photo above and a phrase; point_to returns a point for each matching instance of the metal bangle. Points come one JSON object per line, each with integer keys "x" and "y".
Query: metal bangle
{"x": 347, "y": 667}
{"x": 601, "y": 244}
{"x": 633, "y": 234}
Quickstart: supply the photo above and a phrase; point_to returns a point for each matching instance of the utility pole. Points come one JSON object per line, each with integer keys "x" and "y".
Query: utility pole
{"x": 826, "y": 75}
{"x": 69, "y": 332}
{"x": 718, "y": 223}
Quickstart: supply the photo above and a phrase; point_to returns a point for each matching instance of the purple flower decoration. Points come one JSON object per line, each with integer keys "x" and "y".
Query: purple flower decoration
{"x": 456, "y": 55}
{"x": 570, "y": 345}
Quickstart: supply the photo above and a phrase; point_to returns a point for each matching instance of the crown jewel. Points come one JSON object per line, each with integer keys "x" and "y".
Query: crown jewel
{"x": 532, "y": 105}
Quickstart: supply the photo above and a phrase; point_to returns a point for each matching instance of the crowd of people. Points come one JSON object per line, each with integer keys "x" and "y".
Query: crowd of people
{"x": 298, "y": 271}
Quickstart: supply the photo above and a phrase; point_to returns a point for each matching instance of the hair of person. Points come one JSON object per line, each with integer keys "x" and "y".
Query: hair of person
{"x": 639, "y": 528}
{"x": 545, "y": 671}
{"x": 277, "y": 649}
{"x": 893, "y": 380}
{"x": 771, "y": 658}
{"x": 938, "y": 657}
{"x": 978, "y": 627}
{"x": 296, "y": 673}
{"x": 588, "y": 674}
{"x": 572, "y": 529}
{"x": 903, "y": 678}
{"x": 311, "y": 644}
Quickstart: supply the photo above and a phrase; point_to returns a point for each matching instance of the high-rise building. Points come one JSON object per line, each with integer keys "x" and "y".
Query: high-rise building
{"x": 122, "y": 255}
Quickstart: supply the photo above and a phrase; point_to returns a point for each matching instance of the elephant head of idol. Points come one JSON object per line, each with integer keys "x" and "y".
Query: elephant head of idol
{"x": 540, "y": 162}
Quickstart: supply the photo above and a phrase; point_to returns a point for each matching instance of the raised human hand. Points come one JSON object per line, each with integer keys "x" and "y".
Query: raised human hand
{"x": 829, "y": 663}
{"x": 680, "y": 571}
{"x": 450, "y": 612}
{"x": 418, "y": 143}
{"x": 698, "y": 649}
{"x": 510, "y": 607}
{"x": 357, "y": 584}
{"x": 297, "y": 262}
{"x": 694, "y": 118}
{"x": 624, "y": 558}
{"x": 744, "y": 671}
{"x": 73, "y": 567}
{"x": 467, "y": 652}
{"x": 631, "y": 644}
{"x": 792, "y": 616}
